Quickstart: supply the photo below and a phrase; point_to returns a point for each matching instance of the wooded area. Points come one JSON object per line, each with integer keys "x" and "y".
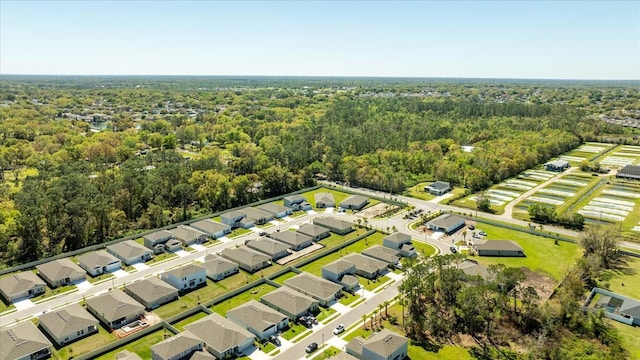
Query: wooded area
{"x": 107, "y": 157}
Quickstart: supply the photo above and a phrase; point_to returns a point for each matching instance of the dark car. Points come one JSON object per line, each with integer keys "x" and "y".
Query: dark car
{"x": 274, "y": 340}
{"x": 471, "y": 227}
{"x": 453, "y": 249}
{"x": 263, "y": 233}
{"x": 482, "y": 233}
{"x": 311, "y": 347}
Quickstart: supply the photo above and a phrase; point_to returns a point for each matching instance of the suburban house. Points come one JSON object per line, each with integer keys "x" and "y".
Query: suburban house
{"x": 173, "y": 245}
{"x": 557, "y": 165}
{"x": 248, "y": 260}
{"x": 617, "y": 307}
{"x": 21, "y": 285}
{"x": 178, "y": 347}
{"x": 438, "y": 188}
{"x": 68, "y": 324}
{"x": 290, "y": 302}
{"x": 218, "y": 268}
{"x": 151, "y": 292}
{"x": 278, "y": 211}
{"x": 258, "y": 318}
{"x": 186, "y": 277}
{"x": 629, "y": 172}
{"x": 236, "y": 219}
{"x": 383, "y": 345}
{"x": 130, "y": 252}
{"x": 115, "y": 309}
{"x": 60, "y": 272}
{"x": 383, "y": 253}
{"x": 334, "y": 225}
{"x": 341, "y": 272}
{"x": 222, "y": 337}
{"x": 354, "y": 202}
{"x": 259, "y": 217}
{"x": 274, "y": 249}
{"x": 295, "y": 240}
{"x": 318, "y": 288}
{"x": 156, "y": 238}
{"x": 202, "y": 355}
{"x": 24, "y": 342}
{"x": 127, "y": 355}
{"x": 212, "y": 228}
{"x": 99, "y": 262}
{"x": 366, "y": 266}
{"x": 316, "y": 232}
{"x": 447, "y": 223}
{"x": 296, "y": 202}
{"x": 324, "y": 200}
{"x": 498, "y": 248}
{"x": 400, "y": 242}
{"x": 343, "y": 356}
{"x": 189, "y": 235}
{"x": 472, "y": 268}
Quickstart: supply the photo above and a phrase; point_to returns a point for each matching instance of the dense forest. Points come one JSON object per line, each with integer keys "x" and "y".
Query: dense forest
{"x": 85, "y": 160}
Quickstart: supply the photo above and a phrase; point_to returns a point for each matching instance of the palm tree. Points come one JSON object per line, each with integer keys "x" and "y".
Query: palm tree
{"x": 464, "y": 236}
{"x": 380, "y": 306}
{"x": 386, "y": 309}
{"x": 364, "y": 321}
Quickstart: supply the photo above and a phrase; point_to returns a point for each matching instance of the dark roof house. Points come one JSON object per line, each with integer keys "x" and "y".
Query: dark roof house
{"x": 337, "y": 226}
{"x": 498, "y": 248}
{"x": 383, "y": 345}
{"x": 290, "y": 302}
{"x": 23, "y": 341}
{"x": 318, "y": 288}
{"x": 60, "y": 272}
{"x": 316, "y": 232}
{"x": 354, "y": 202}
{"x": 25, "y": 284}
{"x": 447, "y": 223}
{"x": 274, "y": 249}
{"x": 151, "y": 292}
{"x": 248, "y": 260}
{"x": 68, "y": 324}
{"x": 258, "y": 318}
{"x": 180, "y": 346}
{"x": 438, "y": 188}
{"x": 218, "y": 268}
{"x": 222, "y": 337}
{"x": 295, "y": 240}
{"x": 324, "y": 200}
{"x": 115, "y": 308}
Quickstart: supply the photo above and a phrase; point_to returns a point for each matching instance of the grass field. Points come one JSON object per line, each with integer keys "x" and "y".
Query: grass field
{"x": 142, "y": 346}
{"x": 161, "y": 257}
{"x": 293, "y": 331}
{"x": 5, "y": 307}
{"x": 347, "y": 298}
{"x": 326, "y": 353}
{"x": 84, "y": 345}
{"x": 629, "y": 336}
{"x": 418, "y": 192}
{"x": 191, "y": 299}
{"x": 99, "y": 278}
{"x": 630, "y": 277}
{"x": 371, "y": 285}
{"x": 251, "y": 294}
{"x": 423, "y": 249}
{"x": 282, "y": 278}
{"x": 191, "y": 319}
{"x": 542, "y": 255}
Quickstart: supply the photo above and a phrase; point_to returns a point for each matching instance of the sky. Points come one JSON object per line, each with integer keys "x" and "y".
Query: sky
{"x": 475, "y": 39}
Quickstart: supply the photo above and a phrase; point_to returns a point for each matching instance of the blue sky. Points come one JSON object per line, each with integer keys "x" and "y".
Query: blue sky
{"x": 496, "y": 39}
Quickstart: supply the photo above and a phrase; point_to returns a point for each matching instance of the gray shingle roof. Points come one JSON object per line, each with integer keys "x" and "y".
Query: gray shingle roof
{"x": 504, "y": 245}
{"x": 176, "y": 345}
{"x": 186, "y": 233}
{"x": 267, "y": 246}
{"x": 289, "y": 300}
{"x": 157, "y": 235}
{"x": 202, "y": 355}
{"x": 439, "y": 185}
{"x": 114, "y": 305}
{"x": 19, "y": 283}
{"x": 383, "y": 253}
{"x": 343, "y": 356}
{"x": 68, "y": 320}
{"x": 354, "y": 200}
{"x": 245, "y": 255}
{"x": 332, "y": 222}
{"x": 446, "y": 221}
{"x": 291, "y": 238}
{"x": 129, "y": 249}
{"x": 256, "y": 315}
{"x": 295, "y": 198}
{"x": 398, "y": 238}
{"x": 217, "y": 264}
{"x": 326, "y": 198}
{"x": 234, "y": 214}
{"x": 97, "y": 258}
{"x": 219, "y": 333}
{"x": 21, "y": 340}
{"x": 314, "y": 285}
{"x": 210, "y": 226}
{"x": 151, "y": 289}
{"x": 339, "y": 266}
{"x": 385, "y": 342}
{"x": 60, "y": 269}
{"x": 127, "y": 355}
{"x": 187, "y": 270}
{"x": 273, "y": 208}
{"x": 312, "y": 230}
{"x": 256, "y": 214}
{"x": 365, "y": 263}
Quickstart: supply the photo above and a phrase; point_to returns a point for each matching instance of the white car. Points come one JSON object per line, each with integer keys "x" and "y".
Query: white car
{"x": 339, "y": 329}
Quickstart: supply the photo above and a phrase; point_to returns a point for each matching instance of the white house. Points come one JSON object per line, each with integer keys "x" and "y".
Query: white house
{"x": 186, "y": 277}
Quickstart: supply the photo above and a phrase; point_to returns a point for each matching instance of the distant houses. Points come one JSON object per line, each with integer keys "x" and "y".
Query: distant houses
{"x": 96, "y": 263}
{"x": 355, "y": 202}
{"x": 130, "y": 252}
{"x": 438, "y": 188}
{"x": 213, "y": 229}
{"x": 324, "y": 200}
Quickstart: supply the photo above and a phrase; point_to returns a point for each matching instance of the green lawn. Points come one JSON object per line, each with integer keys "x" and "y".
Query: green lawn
{"x": 5, "y": 307}
{"x": 85, "y": 345}
{"x": 348, "y": 299}
{"x": 251, "y": 294}
{"x": 629, "y": 336}
{"x": 371, "y": 285}
{"x": 630, "y": 277}
{"x": 542, "y": 255}
{"x": 267, "y": 347}
{"x": 162, "y": 257}
{"x": 327, "y": 353}
{"x": 191, "y": 319}
{"x": 282, "y": 278}
{"x": 243, "y": 277}
{"x": 99, "y": 278}
{"x": 425, "y": 250}
{"x": 293, "y": 331}
{"x": 54, "y": 292}
{"x": 191, "y": 299}
{"x": 325, "y": 313}
{"x": 238, "y": 232}
{"x": 142, "y": 346}
{"x": 357, "y": 247}
{"x": 418, "y": 192}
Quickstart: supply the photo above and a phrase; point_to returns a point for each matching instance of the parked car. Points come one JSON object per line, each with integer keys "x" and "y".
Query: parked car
{"x": 263, "y": 233}
{"x": 311, "y": 347}
{"x": 338, "y": 330}
{"x": 471, "y": 227}
{"x": 453, "y": 249}
{"x": 482, "y": 233}
{"x": 274, "y": 340}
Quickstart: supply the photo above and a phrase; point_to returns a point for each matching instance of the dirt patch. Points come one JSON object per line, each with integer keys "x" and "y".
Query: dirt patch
{"x": 543, "y": 284}
{"x": 376, "y": 210}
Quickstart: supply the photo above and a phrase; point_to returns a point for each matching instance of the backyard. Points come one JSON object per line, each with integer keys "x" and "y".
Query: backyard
{"x": 141, "y": 346}
{"x": 254, "y": 293}
{"x": 84, "y": 345}
{"x": 191, "y": 299}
